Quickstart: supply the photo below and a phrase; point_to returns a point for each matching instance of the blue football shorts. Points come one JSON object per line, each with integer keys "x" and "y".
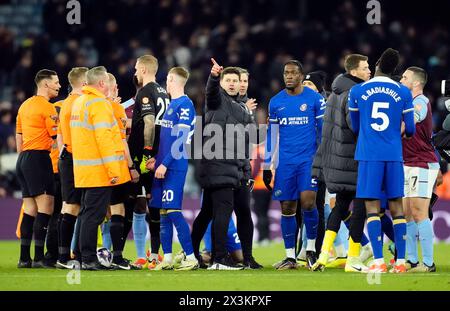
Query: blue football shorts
{"x": 233, "y": 243}
{"x": 374, "y": 177}
{"x": 291, "y": 180}
{"x": 167, "y": 193}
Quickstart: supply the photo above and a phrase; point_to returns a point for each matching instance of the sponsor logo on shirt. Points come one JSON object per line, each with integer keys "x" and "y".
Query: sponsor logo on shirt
{"x": 166, "y": 123}
{"x": 184, "y": 114}
{"x": 294, "y": 121}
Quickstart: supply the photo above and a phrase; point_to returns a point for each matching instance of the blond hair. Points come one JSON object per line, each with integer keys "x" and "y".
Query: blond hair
{"x": 180, "y": 72}
{"x": 112, "y": 79}
{"x": 77, "y": 75}
{"x": 149, "y": 61}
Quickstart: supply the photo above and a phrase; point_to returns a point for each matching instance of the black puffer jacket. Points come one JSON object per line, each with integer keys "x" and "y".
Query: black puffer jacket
{"x": 225, "y": 167}
{"x": 334, "y": 161}
{"x": 248, "y": 140}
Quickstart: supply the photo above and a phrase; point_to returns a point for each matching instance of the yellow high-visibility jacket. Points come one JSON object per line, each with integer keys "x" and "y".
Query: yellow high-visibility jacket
{"x": 97, "y": 148}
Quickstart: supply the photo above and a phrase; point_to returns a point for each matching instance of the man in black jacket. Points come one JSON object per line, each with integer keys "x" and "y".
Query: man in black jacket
{"x": 334, "y": 163}
{"x": 222, "y": 168}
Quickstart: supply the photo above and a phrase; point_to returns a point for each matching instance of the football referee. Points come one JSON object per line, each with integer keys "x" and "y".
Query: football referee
{"x": 35, "y": 135}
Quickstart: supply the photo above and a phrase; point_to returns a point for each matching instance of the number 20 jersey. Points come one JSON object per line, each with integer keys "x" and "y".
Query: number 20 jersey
{"x": 150, "y": 99}
{"x": 381, "y": 103}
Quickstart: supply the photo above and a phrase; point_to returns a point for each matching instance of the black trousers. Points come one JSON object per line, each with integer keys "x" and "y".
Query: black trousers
{"x": 244, "y": 220}
{"x": 218, "y": 205}
{"x": 221, "y": 200}
{"x": 341, "y": 211}
{"x": 201, "y": 222}
{"x": 261, "y": 205}
{"x": 320, "y": 203}
{"x": 94, "y": 203}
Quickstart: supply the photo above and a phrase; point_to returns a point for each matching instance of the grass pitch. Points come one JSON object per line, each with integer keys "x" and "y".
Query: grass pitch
{"x": 267, "y": 279}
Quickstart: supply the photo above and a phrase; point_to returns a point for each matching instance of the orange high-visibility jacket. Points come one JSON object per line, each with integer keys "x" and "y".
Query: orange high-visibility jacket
{"x": 97, "y": 147}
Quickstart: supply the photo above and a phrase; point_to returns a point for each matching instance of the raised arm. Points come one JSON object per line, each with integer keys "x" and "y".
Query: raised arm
{"x": 213, "y": 86}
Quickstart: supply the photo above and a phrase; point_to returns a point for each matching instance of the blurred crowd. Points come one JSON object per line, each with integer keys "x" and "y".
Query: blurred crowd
{"x": 259, "y": 35}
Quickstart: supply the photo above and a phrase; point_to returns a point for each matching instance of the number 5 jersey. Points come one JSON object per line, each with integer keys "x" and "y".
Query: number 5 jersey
{"x": 380, "y": 105}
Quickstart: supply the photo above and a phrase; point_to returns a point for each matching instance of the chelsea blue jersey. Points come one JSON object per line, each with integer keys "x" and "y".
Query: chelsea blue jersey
{"x": 382, "y": 104}
{"x": 177, "y": 128}
{"x": 299, "y": 118}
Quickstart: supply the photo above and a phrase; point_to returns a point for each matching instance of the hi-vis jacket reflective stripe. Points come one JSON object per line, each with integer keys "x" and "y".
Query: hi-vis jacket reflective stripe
{"x": 98, "y": 150}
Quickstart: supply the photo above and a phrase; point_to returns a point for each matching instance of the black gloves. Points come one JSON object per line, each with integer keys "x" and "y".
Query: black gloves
{"x": 267, "y": 178}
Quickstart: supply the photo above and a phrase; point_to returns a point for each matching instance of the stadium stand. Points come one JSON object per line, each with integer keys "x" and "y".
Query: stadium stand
{"x": 257, "y": 35}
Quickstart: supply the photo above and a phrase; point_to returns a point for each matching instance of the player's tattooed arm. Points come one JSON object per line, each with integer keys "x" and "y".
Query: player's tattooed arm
{"x": 149, "y": 130}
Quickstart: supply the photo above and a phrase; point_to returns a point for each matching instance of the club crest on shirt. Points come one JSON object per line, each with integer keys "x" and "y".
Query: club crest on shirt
{"x": 303, "y": 107}
{"x": 145, "y": 100}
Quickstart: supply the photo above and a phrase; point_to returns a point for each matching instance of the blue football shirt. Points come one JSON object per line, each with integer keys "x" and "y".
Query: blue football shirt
{"x": 177, "y": 128}
{"x": 299, "y": 118}
{"x": 382, "y": 104}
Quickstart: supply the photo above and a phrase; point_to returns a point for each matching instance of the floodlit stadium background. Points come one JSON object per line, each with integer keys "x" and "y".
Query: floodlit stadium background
{"x": 259, "y": 35}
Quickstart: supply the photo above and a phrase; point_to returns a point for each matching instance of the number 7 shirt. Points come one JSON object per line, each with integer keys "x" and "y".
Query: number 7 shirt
{"x": 377, "y": 108}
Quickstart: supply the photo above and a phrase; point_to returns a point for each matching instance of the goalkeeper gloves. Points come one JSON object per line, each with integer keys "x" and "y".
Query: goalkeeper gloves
{"x": 146, "y": 155}
{"x": 143, "y": 166}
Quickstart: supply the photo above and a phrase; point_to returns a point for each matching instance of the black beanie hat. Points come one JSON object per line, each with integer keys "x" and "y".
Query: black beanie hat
{"x": 318, "y": 78}
{"x": 388, "y": 61}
